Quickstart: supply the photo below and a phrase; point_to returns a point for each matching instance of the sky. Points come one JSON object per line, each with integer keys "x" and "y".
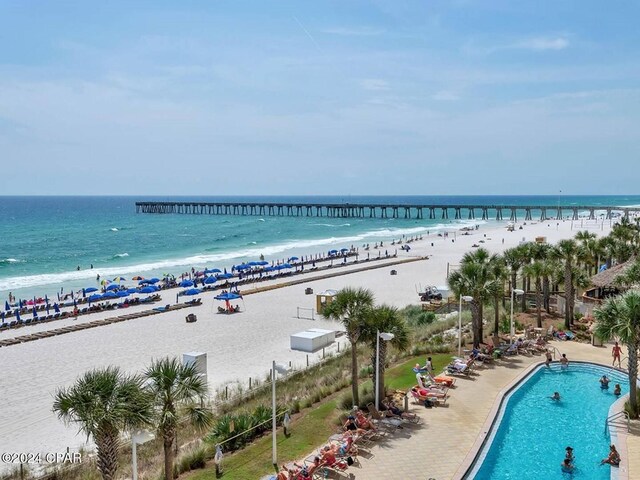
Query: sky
{"x": 334, "y": 97}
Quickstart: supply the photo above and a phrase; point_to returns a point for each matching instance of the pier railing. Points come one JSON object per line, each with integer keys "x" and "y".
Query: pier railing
{"x": 418, "y": 211}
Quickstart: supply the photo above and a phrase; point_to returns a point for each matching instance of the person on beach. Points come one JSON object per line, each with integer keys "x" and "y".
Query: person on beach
{"x": 564, "y": 362}
{"x": 614, "y": 457}
{"x": 617, "y": 391}
{"x": 615, "y": 353}
{"x": 604, "y": 382}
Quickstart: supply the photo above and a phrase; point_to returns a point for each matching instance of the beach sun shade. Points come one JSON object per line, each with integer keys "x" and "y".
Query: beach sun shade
{"x": 293, "y": 259}
{"x": 105, "y": 282}
{"x": 119, "y": 279}
{"x": 262, "y": 262}
{"x": 95, "y": 298}
{"x": 6, "y": 306}
{"x": 122, "y": 294}
{"x": 212, "y": 270}
{"x": 227, "y": 296}
{"x": 147, "y": 290}
{"x": 333, "y": 252}
{"x": 243, "y": 266}
{"x": 56, "y": 308}
{"x": 224, "y": 276}
{"x": 113, "y": 286}
{"x": 110, "y": 294}
{"x": 144, "y": 282}
{"x": 270, "y": 269}
{"x": 192, "y": 291}
{"x": 344, "y": 249}
{"x": 90, "y": 290}
{"x": 154, "y": 280}
{"x": 132, "y": 290}
{"x": 137, "y": 277}
{"x": 210, "y": 280}
{"x": 186, "y": 283}
{"x": 253, "y": 264}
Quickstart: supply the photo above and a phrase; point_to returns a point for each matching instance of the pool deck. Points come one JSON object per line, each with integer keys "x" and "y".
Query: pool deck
{"x": 438, "y": 448}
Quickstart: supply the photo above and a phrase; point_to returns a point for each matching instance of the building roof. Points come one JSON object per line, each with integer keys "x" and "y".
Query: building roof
{"x": 609, "y": 277}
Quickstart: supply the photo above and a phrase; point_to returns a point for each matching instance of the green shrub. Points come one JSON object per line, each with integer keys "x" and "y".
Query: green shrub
{"x": 192, "y": 460}
{"x": 627, "y": 405}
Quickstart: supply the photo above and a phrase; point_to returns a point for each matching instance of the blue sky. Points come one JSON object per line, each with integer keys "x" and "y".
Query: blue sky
{"x": 320, "y": 97}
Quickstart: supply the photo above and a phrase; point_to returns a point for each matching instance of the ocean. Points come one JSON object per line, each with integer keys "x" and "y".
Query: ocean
{"x": 46, "y": 239}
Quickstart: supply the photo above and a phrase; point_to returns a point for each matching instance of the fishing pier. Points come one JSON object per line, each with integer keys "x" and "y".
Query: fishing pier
{"x": 356, "y": 210}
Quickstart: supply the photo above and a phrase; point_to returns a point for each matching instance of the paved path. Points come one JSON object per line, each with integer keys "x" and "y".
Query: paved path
{"x": 438, "y": 447}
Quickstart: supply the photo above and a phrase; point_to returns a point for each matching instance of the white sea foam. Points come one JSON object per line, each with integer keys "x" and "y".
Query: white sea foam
{"x": 261, "y": 220}
{"x": 114, "y": 229}
{"x": 331, "y": 225}
{"x": 9, "y": 260}
{"x": 222, "y": 258}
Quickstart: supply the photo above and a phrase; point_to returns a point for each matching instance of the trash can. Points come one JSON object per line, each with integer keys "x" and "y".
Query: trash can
{"x": 596, "y": 341}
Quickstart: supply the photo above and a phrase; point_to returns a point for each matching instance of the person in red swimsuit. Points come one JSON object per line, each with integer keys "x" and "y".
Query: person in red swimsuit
{"x": 615, "y": 352}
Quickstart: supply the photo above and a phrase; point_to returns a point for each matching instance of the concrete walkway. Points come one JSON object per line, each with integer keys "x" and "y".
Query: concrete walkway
{"x": 437, "y": 448}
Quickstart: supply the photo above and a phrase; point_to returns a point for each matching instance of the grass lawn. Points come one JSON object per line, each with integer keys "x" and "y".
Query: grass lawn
{"x": 307, "y": 433}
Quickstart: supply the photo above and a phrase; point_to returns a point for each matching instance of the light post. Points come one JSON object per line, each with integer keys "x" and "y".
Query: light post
{"x": 466, "y": 298}
{"x": 274, "y": 453}
{"x": 138, "y": 438}
{"x": 514, "y": 292}
{"x": 386, "y": 337}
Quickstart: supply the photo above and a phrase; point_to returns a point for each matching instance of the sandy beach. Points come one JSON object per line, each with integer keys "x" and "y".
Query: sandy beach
{"x": 238, "y": 346}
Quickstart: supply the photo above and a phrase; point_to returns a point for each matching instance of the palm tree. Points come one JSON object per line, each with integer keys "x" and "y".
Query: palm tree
{"x": 566, "y": 251}
{"x": 350, "y": 306}
{"x": 631, "y": 276}
{"x": 620, "y": 317}
{"x": 513, "y": 260}
{"x": 105, "y": 403}
{"x": 384, "y": 319}
{"x": 536, "y": 270}
{"x": 499, "y": 273}
{"x": 474, "y": 278}
{"x": 175, "y": 388}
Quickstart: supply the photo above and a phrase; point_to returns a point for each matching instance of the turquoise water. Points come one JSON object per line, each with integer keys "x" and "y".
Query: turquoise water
{"x": 535, "y": 430}
{"x": 45, "y": 239}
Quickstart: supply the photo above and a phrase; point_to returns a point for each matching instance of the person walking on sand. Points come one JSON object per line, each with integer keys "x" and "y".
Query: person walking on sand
{"x": 615, "y": 353}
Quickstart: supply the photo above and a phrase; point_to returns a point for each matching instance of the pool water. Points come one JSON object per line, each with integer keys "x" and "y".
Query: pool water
{"x": 534, "y": 430}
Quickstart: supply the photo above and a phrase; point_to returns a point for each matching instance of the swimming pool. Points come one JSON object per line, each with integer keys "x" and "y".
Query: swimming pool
{"x": 532, "y": 431}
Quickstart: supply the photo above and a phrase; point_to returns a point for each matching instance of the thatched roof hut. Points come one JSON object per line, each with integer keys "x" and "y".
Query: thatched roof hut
{"x": 608, "y": 278}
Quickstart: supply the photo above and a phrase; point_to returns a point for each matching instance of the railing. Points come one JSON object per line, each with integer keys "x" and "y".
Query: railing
{"x": 554, "y": 350}
{"x": 615, "y": 416}
{"x": 625, "y": 359}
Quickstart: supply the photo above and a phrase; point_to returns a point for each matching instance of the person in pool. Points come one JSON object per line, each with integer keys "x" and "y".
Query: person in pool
{"x": 567, "y": 466}
{"x": 555, "y": 396}
{"x": 548, "y": 358}
{"x": 564, "y": 361}
{"x": 604, "y": 382}
{"x": 569, "y": 454}
{"x": 617, "y": 391}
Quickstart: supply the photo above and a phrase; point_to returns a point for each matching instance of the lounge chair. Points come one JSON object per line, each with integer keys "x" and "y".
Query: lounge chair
{"x": 391, "y": 424}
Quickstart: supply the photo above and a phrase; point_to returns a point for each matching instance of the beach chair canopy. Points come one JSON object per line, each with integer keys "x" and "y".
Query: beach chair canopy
{"x": 227, "y": 296}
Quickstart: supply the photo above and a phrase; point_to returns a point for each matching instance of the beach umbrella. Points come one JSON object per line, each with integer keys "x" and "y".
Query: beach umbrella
{"x": 46, "y": 299}
{"x": 192, "y": 291}
{"x": 344, "y": 249}
{"x": 56, "y": 308}
{"x": 269, "y": 269}
{"x": 210, "y": 280}
{"x": 113, "y": 286}
{"x": 47, "y": 308}
{"x": 94, "y": 298}
{"x": 131, "y": 290}
{"x": 262, "y": 262}
{"x": 224, "y": 276}
{"x": 35, "y": 313}
{"x": 186, "y": 283}
{"x": 212, "y": 270}
{"x": 228, "y": 296}
{"x": 137, "y": 277}
{"x": 147, "y": 290}
{"x": 18, "y": 316}
{"x": 253, "y": 264}
{"x": 333, "y": 252}
{"x": 119, "y": 279}
{"x": 90, "y": 289}
{"x": 293, "y": 259}
{"x": 243, "y": 266}
{"x": 6, "y": 306}
{"x": 105, "y": 282}
{"x": 154, "y": 280}
{"x": 122, "y": 293}
{"x": 143, "y": 282}
{"x": 110, "y": 294}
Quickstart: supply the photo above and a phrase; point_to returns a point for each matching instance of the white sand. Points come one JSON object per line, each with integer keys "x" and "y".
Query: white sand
{"x": 238, "y": 346}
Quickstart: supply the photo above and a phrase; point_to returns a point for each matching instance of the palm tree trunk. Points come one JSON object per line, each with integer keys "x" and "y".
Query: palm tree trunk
{"x": 107, "y": 454}
{"x": 523, "y": 302}
{"x": 476, "y": 324}
{"x": 633, "y": 376}
{"x": 354, "y": 372}
{"x": 545, "y": 293}
{"x": 381, "y": 360}
{"x": 567, "y": 296}
{"x": 496, "y": 314}
{"x": 539, "y": 301}
{"x": 168, "y": 456}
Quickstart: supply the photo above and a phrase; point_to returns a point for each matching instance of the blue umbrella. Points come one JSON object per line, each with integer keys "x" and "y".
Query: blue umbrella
{"x": 243, "y": 266}
{"x": 210, "y": 280}
{"x": 95, "y": 298}
{"x": 253, "y": 264}
{"x": 270, "y": 269}
{"x": 110, "y": 294}
{"x": 56, "y": 308}
{"x": 144, "y": 282}
{"x": 224, "y": 276}
{"x": 333, "y": 252}
{"x": 147, "y": 290}
{"x": 292, "y": 259}
{"x": 122, "y": 293}
{"x": 154, "y": 280}
{"x": 262, "y": 262}
{"x": 132, "y": 290}
{"x": 228, "y": 296}
{"x": 212, "y": 270}
{"x": 344, "y": 249}
{"x": 18, "y": 316}
{"x": 35, "y": 312}
{"x": 6, "y": 306}
{"x": 186, "y": 283}
{"x": 192, "y": 291}
{"x": 90, "y": 290}
{"x": 113, "y": 286}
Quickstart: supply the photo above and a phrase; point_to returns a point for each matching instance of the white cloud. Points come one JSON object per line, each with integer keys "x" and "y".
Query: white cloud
{"x": 374, "y": 84}
{"x": 542, "y": 43}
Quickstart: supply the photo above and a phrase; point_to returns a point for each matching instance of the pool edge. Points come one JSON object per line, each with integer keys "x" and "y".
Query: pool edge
{"x": 620, "y": 473}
